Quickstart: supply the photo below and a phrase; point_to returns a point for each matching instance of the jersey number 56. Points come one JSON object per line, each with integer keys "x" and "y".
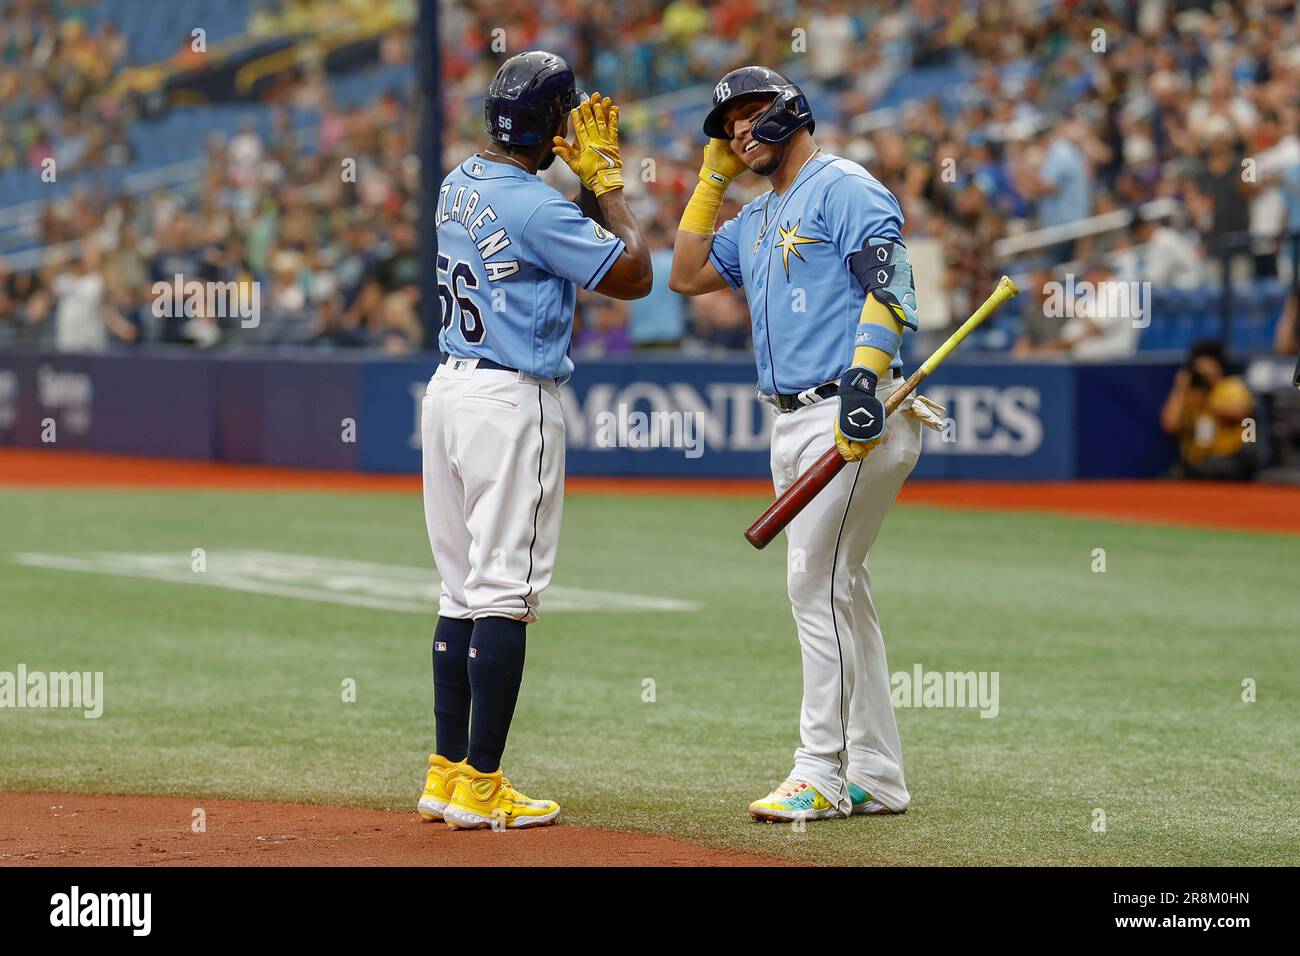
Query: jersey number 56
{"x": 452, "y": 283}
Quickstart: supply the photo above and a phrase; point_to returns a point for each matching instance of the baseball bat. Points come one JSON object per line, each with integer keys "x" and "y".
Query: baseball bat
{"x": 782, "y": 511}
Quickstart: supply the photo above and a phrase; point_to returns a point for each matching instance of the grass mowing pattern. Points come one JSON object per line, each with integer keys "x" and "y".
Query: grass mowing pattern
{"x": 1118, "y": 690}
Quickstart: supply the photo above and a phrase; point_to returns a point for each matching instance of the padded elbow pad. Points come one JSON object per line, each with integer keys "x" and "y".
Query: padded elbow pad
{"x": 883, "y": 268}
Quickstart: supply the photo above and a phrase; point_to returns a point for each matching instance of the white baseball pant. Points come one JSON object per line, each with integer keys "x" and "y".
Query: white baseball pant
{"x": 846, "y": 727}
{"x": 493, "y": 447}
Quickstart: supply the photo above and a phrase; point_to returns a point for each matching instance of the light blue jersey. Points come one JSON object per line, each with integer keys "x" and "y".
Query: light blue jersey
{"x": 790, "y": 253}
{"x": 511, "y": 253}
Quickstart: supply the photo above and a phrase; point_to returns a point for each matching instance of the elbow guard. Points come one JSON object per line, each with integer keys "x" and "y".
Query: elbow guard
{"x": 883, "y": 268}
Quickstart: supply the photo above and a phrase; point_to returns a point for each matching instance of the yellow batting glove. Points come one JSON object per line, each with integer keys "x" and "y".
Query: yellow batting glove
{"x": 593, "y": 154}
{"x": 721, "y": 165}
{"x": 853, "y": 450}
{"x": 569, "y": 152}
{"x": 719, "y": 168}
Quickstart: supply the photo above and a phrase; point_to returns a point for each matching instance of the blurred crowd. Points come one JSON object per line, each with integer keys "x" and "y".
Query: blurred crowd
{"x": 328, "y": 234}
{"x": 1075, "y": 109}
{"x": 54, "y": 74}
{"x": 1071, "y": 110}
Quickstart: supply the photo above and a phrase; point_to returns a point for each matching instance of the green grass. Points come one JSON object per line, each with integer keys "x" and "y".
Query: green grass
{"x": 1119, "y": 690}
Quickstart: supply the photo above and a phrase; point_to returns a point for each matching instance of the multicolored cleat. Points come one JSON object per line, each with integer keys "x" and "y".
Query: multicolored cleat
{"x": 439, "y": 782}
{"x": 487, "y": 800}
{"x": 864, "y": 804}
{"x": 793, "y": 800}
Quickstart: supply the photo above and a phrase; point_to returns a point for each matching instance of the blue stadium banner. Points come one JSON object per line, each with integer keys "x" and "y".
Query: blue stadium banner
{"x": 1007, "y": 421}
{"x": 662, "y": 417}
{"x": 144, "y": 405}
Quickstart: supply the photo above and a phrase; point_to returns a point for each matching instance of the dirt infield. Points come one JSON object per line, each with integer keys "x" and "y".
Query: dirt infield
{"x": 1207, "y": 505}
{"x": 47, "y": 829}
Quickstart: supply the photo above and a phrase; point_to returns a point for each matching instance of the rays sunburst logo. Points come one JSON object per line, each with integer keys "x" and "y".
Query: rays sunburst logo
{"x": 790, "y": 242}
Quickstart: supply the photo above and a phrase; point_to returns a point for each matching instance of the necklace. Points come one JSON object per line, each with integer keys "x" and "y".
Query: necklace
{"x": 762, "y": 230}
{"x": 508, "y": 159}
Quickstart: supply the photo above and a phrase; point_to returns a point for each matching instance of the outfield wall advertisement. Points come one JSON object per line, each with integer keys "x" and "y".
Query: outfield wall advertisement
{"x": 1014, "y": 421}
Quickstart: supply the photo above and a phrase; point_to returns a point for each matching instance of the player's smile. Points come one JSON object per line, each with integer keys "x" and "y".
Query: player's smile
{"x": 759, "y": 157}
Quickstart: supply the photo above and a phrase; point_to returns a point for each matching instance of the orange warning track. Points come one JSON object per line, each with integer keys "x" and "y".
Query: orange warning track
{"x": 1239, "y": 507}
{"x": 24, "y": 466}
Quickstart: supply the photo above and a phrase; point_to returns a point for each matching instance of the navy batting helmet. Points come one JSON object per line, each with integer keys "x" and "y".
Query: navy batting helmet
{"x": 788, "y": 112}
{"x": 527, "y": 97}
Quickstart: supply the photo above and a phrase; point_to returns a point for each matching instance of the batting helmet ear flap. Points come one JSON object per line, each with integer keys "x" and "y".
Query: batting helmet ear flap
{"x": 787, "y": 114}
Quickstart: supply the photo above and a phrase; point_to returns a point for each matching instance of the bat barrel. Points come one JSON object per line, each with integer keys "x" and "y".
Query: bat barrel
{"x": 782, "y": 511}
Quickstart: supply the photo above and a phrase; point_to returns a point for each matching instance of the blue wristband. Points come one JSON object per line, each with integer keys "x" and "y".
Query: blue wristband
{"x": 877, "y": 337}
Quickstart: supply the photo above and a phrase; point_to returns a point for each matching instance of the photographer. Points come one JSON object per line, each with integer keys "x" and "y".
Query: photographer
{"x": 1206, "y": 410}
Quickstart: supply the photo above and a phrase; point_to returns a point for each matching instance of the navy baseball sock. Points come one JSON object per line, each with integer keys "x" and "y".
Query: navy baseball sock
{"x": 496, "y": 667}
{"x": 451, "y": 689}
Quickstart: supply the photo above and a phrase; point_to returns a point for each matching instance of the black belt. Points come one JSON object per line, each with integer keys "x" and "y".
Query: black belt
{"x": 497, "y": 367}
{"x": 482, "y": 363}
{"x": 811, "y": 396}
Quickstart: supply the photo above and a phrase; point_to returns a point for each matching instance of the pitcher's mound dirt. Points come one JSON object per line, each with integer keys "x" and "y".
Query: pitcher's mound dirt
{"x": 47, "y": 829}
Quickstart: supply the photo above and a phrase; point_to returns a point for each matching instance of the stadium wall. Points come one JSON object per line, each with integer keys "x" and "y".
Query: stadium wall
{"x": 1011, "y": 420}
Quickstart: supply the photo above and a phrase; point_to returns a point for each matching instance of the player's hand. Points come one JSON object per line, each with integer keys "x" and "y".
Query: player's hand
{"x": 852, "y": 450}
{"x": 721, "y": 165}
{"x": 593, "y": 155}
{"x": 928, "y": 413}
{"x": 569, "y": 152}
{"x": 861, "y": 419}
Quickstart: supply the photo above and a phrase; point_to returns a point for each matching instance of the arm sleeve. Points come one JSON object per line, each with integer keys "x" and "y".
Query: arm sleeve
{"x": 725, "y": 253}
{"x": 570, "y": 245}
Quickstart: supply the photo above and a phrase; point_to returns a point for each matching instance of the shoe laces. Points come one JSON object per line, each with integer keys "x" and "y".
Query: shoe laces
{"x": 790, "y": 786}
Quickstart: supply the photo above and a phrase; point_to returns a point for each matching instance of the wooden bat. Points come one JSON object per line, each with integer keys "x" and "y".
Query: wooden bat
{"x": 782, "y": 511}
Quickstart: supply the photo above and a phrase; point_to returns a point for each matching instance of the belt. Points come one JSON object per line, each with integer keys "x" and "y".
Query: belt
{"x": 497, "y": 367}
{"x": 482, "y": 363}
{"x": 810, "y": 396}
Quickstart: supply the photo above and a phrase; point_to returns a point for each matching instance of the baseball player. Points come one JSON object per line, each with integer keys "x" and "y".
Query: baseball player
{"x": 822, "y": 262}
{"x": 511, "y": 253}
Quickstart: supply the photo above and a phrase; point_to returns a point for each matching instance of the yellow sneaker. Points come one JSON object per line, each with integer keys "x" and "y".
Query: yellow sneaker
{"x": 793, "y": 800}
{"x": 438, "y": 785}
{"x": 487, "y": 800}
